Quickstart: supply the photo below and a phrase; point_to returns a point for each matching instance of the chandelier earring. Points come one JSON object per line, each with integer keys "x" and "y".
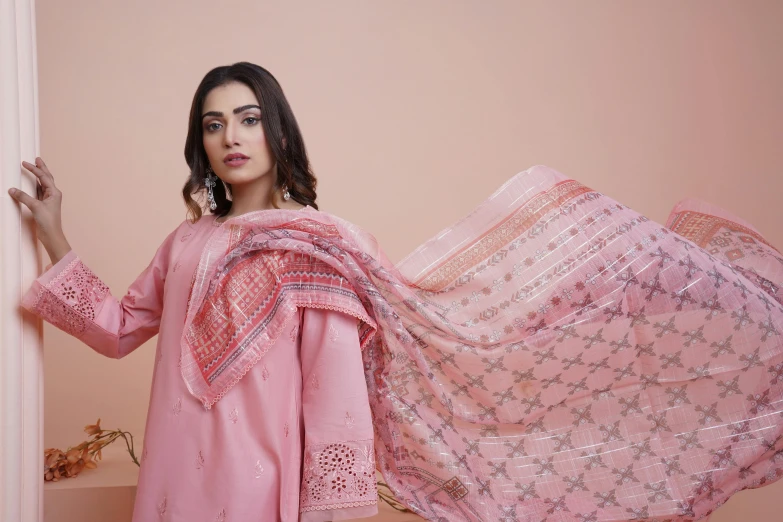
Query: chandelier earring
{"x": 211, "y": 181}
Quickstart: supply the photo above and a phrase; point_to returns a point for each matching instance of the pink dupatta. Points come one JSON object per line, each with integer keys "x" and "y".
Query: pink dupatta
{"x": 554, "y": 355}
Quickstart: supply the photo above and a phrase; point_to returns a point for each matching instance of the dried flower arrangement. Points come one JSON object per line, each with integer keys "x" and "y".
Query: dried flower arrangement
{"x": 67, "y": 464}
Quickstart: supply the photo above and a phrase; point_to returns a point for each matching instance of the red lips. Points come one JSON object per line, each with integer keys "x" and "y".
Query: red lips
{"x": 235, "y": 156}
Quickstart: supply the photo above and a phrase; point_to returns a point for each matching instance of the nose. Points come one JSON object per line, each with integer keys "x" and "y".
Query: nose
{"x": 230, "y": 134}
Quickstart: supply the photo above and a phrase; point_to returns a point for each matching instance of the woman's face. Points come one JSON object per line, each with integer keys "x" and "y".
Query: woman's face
{"x": 234, "y": 138}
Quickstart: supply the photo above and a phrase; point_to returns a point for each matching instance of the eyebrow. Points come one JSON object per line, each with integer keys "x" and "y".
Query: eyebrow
{"x": 238, "y": 110}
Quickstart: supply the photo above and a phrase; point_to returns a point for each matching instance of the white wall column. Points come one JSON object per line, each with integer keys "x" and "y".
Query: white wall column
{"x": 21, "y": 346}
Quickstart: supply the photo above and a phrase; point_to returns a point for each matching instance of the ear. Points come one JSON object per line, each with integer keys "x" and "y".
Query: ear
{"x": 285, "y": 142}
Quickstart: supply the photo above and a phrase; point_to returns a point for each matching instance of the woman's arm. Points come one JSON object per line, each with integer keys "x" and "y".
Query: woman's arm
{"x": 72, "y": 298}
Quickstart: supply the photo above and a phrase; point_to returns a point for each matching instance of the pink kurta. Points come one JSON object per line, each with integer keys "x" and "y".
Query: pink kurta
{"x": 291, "y": 441}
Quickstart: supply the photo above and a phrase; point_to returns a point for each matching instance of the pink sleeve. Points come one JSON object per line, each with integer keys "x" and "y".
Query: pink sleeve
{"x": 338, "y": 477}
{"x": 72, "y": 298}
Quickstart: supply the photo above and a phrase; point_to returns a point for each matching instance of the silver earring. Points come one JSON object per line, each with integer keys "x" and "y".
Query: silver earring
{"x": 210, "y": 182}
{"x": 286, "y": 194}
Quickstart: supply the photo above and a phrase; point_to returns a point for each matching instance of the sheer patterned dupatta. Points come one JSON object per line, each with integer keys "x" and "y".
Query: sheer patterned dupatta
{"x": 553, "y": 356}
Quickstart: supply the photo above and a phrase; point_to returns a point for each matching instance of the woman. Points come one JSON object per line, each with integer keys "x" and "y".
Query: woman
{"x": 554, "y": 354}
{"x": 242, "y": 459}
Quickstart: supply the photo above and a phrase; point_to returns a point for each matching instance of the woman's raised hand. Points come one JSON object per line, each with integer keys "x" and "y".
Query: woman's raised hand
{"x": 46, "y": 208}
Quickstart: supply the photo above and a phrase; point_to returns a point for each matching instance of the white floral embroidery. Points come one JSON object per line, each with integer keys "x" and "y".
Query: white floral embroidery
{"x": 221, "y": 516}
{"x": 294, "y": 333}
{"x": 338, "y": 475}
{"x": 234, "y": 415}
{"x": 333, "y": 333}
{"x": 349, "y": 420}
{"x": 259, "y": 469}
{"x": 200, "y": 461}
{"x": 285, "y": 429}
{"x": 177, "y": 406}
{"x": 162, "y": 507}
{"x": 264, "y": 373}
{"x": 314, "y": 382}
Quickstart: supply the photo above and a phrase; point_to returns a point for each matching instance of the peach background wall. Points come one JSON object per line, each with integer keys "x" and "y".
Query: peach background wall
{"x": 413, "y": 112}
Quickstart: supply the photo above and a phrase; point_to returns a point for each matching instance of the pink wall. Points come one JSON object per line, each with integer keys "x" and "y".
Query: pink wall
{"x": 413, "y": 112}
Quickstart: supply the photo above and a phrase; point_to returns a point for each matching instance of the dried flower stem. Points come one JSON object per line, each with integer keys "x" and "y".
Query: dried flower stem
{"x": 68, "y": 464}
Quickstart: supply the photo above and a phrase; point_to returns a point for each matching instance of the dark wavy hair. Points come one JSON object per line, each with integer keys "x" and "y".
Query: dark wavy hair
{"x": 293, "y": 167}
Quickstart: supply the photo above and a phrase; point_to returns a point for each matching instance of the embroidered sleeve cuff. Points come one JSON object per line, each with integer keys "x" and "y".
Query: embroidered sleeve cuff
{"x": 338, "y": 476}
{"x": 68, "y": 295}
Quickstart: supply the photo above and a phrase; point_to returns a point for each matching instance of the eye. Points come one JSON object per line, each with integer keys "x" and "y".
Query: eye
{"x": 250, "y": 120}
{"x": 213, "y": 127}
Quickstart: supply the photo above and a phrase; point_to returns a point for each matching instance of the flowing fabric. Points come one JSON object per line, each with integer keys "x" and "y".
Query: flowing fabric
{"x": 553, "y": 356}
